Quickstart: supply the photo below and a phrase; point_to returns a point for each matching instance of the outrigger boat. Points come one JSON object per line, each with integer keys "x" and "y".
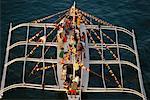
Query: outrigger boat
{"x": 67, "y": 53}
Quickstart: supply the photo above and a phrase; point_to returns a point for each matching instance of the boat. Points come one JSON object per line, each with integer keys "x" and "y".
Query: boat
{"x": 76, "y": 47}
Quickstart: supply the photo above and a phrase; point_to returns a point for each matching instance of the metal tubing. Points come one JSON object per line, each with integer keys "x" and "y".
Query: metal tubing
{"x": 6, "y": 60}
{"x": 102, "y": 56}
{"x": 26, "y": 48}
{"x": 120, "y": 68}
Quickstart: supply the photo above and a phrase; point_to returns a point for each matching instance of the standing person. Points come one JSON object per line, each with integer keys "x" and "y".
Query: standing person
{"x": 60, "y": 40}
{"x": 61, "y": 55}
{"x": 79, "y": 51}
{"x": 67, "y": 56}
{"x": 78, "y": 21}
{"x": 65, "y": 43}
{"x": 72, "y": 41}
{"x": 83, "y": 36}
{"x": 65, "y": 38}
{"x": 77, "y": 67}
{"x": 60, "y": 29}
{"x": 64, "y": 72}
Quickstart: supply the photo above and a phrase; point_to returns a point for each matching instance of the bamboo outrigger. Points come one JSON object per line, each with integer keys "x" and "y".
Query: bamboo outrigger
{"x": 72, "y": 62}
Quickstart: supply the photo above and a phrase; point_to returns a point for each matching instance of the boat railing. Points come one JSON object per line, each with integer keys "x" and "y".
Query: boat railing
{"x": 90, "y": 45}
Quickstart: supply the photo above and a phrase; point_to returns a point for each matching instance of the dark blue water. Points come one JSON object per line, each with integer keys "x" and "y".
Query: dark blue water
{"x": 131, "y": 14}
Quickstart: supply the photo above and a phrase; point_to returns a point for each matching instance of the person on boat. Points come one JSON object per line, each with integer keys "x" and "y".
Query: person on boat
{"x": 70, "y": 47}
{"x": 83, "y": 43}
{"x": 77, "y": 32}
{"x": 68, "y": 81}
{"x": 76, "y": 79}
{"x": 73, "y": 88}
{"x": 67, "y": 56}
{"x": 74, "y": 52}
{"x": 76, "y": 36}
{"x": 60, "y": 40}
{"x": 67, "y": 25}
{"x": 61, "y": 55}
{"x": 78, "y": 20}
{"x": 60, "y": 29}
{"x": 79, "y": 51}
{"x": 65, "y": 38}
{"x": 72, "y": 41}
{"x": 83, "y": 36}
{"x": 63, "y": 74}
{"x": 76, "y": 67}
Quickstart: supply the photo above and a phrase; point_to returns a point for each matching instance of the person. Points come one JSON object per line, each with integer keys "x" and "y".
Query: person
{"x": 72, "y": 41}
{"x": 77, "y": 32}
{"x": 64, "y": 70}
{"x": 67, "y": 56}
{"x": 60, "y": 40}
{"x": 79, "y": 51}
{"x": 77, "y": 68}
{"x": 73, "y": 88}
{"x": 74, "y": 52}
{"x": 65, "y": 38}
{"x": 60, "y": 29}
{"x": 83, "y": 44}
{"x": 65, "y": 43}
{"x": 83, "y": 36}
{"x": 78, "y": 20}
{"x": 76, "y": 79}
{"x": 69, "y": 78}
{"x": 76, "y": 65}
{"x": 61, "y": 55}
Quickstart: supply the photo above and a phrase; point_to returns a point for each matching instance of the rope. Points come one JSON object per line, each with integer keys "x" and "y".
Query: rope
{"x": 50, "y": 16}
{"x": 98, "y": 37}
{"x": 89, "y": 70}
{"x": 48, "y": 67}
{"x": 45, "y": 50}
{"x": 36, "y": 35}
{"x": 108, "y": 67}
{"x": 102, "y": 32}
{"x": 31, "y": 52}
{"x": 94, "y": 18}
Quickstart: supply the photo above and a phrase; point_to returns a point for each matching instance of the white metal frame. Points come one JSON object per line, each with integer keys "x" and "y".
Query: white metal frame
{"x": 87, "y": 60}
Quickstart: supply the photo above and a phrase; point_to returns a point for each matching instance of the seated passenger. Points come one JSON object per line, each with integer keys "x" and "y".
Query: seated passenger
{"x": 60, "y": 40}
{"x": 63, "y": 73}
{"x": 73, "y": 89}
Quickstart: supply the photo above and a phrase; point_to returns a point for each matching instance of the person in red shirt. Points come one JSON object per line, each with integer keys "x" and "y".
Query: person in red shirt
{"x": 65, "y": 38}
